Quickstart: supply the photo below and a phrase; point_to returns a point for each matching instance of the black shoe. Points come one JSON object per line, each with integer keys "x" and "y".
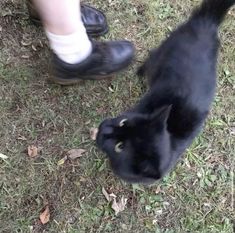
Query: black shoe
{"x": 106, "y": 59}
{"x": 94, "y": 20}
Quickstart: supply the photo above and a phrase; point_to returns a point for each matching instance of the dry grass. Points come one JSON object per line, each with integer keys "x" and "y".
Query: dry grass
{"x": 195, "y": 197}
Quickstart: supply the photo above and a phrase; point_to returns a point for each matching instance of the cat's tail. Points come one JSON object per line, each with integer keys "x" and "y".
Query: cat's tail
{"x": 214, "y": 10}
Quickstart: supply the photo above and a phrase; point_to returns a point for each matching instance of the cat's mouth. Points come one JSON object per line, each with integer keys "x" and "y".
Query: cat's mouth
{"x": 133, "y": 179}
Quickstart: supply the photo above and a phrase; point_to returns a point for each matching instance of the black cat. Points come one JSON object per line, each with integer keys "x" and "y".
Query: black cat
{"x": 146, "y": 141}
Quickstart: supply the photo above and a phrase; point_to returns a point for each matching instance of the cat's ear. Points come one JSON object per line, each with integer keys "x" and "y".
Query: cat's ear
{"x": 132, "y": 119}
{"x": 161, "y": 114}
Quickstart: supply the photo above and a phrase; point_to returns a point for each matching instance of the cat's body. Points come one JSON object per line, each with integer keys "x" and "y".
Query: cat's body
{"x": 182, "y": 76}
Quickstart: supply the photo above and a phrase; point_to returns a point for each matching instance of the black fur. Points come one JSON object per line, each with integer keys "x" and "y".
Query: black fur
{"x": 182, "y": 76}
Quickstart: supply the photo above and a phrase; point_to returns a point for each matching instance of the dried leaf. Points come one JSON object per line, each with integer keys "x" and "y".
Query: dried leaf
{"x": 93, "y": 133}
{"x": 113, "y": 195}
{"x": 62, "y": 161}
{"x": 111, "y": 89}
{"x": 34, "y": 48}
{"x": 25, "y": 56}
{"x": 45, "y": 215}
{"x": 2, "y": 156}
{"x": 25, "y": 43}
{"x": 108, "y": 198}
{"x": 75, "y": 153}
{"x": 23, "y": 138}
{"x": 116, "y": 206}
{"x": 119, "y": 206}
{"x": 32, "y": 151}
{"x": 158, "y": 190}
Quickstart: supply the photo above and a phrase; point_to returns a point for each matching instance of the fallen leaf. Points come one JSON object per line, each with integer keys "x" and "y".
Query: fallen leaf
{"x": 113, "y": 195}
{"x": 88, "y": 122}
{"x": 34, "y": 47}
{"x": 111, "y": 89}
{"x": 25, "y": 43}
{"x": 23, "y": 138}
{"x": 25, "y": 56}
{"x": 119, "y": 206}
{"x": 75, "y": 153}
{"x": 62, "y": 161}
{"x": 158, "y": 190}
{"x": 82, "y": 179}
{"x": 45, "y": 215}
{"x": 108, "y": 198}
{"x": 93, "y": 133}
{"x": 116, "y": 206}
{"x": 32, "y": 151}
{"x": 2, "y": 156}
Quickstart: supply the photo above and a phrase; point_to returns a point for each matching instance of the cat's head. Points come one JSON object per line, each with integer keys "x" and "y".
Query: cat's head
{"x": 137, "y": 145}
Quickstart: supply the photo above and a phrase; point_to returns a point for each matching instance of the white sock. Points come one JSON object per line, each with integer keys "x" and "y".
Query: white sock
{"x": 73, "y": 48}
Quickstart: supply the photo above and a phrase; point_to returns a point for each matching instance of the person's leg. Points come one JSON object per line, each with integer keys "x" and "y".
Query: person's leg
{"x": 60, "y": 16}
{"x": 65, "y": 30}
{"x": 93, "y": 19}
{"x": 75, "y": 56}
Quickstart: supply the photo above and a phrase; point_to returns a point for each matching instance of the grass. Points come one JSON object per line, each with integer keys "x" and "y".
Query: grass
{"x": 195, "y": 197}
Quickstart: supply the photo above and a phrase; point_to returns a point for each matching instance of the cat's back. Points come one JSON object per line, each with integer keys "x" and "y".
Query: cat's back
{"x": 193, "y": 45}
{"x": 185, "y": 64}
{"x": 187, "y": 58}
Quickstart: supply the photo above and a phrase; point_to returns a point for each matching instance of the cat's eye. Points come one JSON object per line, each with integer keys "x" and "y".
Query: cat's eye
{"x": 122, "y": 122}
{"x": 119, "y": 147}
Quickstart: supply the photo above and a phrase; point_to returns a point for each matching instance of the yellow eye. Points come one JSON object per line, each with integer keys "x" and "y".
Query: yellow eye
{"x": 122, "y": 122}
{"x": 119, "y": 147}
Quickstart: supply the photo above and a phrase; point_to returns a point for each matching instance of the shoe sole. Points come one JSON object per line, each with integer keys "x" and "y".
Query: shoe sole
{"x": 68, "y": 82}
{"x": 72, "y": 81}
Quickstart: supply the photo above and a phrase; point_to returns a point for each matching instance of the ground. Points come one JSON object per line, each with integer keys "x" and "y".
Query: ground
{"x": 195, "y": 197}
